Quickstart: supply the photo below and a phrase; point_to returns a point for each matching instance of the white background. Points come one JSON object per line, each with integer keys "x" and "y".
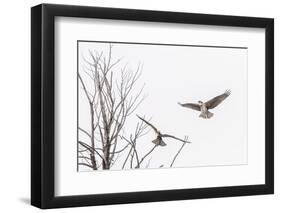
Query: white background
{"x": 173, "y": 74}
{"x": 15, "y": 106}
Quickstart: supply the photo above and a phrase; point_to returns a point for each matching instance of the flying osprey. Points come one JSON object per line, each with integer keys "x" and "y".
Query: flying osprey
{"x": 204, "y": 107}
{"x": 159, "y": 136}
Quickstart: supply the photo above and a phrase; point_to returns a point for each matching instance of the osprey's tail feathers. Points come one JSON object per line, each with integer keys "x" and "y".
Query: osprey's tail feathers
{"x": 209, "y": 114}
{"x": 206, "y": 115}
{"x": 162, "y": 143}
{"x": 203, "y": 115}
{"x": 159, "y": 141}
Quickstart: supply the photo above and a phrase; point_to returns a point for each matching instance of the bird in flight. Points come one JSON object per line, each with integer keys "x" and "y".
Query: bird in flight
{"x": 204, "y": 107}
{"x": 159, "y": 136}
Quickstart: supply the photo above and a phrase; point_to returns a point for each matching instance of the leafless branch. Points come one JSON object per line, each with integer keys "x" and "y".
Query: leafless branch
{"x": 85, "y": 164}
{"x": 84, "y": 131}
{"x": 175, "y": 157}
{"x": 147, "y": 154}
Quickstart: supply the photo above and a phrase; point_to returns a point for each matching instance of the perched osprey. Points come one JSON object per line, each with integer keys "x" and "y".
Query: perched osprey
{"x": 204, "y": 107}
{"x": 159, "y": 136}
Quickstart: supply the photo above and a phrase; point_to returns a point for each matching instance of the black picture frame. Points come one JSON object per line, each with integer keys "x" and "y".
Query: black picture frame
{"x": 43, "y": 102}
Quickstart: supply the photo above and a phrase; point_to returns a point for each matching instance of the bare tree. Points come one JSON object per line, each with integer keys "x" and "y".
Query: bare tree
{"x": 112, "y": 98}
{"x": 111, "y": 102}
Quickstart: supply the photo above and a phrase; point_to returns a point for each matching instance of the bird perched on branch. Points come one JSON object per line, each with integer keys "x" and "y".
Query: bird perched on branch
{"x": 159, "y": 136}
{"x": 204, "y": 107}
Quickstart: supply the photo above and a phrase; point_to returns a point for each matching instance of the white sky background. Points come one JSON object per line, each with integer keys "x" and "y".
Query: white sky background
{"x": 174, "y": 74}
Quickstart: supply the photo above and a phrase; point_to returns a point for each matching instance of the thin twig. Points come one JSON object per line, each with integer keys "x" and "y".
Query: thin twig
{"x": 82, "y": 130}
{"x": 85, "y": 164}
{"x": 147, "y": 154}
{"x": 178, "y": 153}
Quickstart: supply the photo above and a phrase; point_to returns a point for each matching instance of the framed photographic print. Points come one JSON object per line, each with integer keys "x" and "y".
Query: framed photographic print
{"x": 140, "y": 106}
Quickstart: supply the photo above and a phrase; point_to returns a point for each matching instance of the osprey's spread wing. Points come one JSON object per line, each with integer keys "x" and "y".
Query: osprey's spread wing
{"x": 176, "y": 138}
{"x": 149, "y": 124}
{"x": 217, "y": 100}
{"x": 191, "y": 106}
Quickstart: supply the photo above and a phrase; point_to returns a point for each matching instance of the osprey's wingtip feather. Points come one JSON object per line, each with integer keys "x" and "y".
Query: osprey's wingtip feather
{"x": 227, "y": 92}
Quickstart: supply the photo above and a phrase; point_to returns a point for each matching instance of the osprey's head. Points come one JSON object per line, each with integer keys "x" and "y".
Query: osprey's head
{"x": 200, "y": 103}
